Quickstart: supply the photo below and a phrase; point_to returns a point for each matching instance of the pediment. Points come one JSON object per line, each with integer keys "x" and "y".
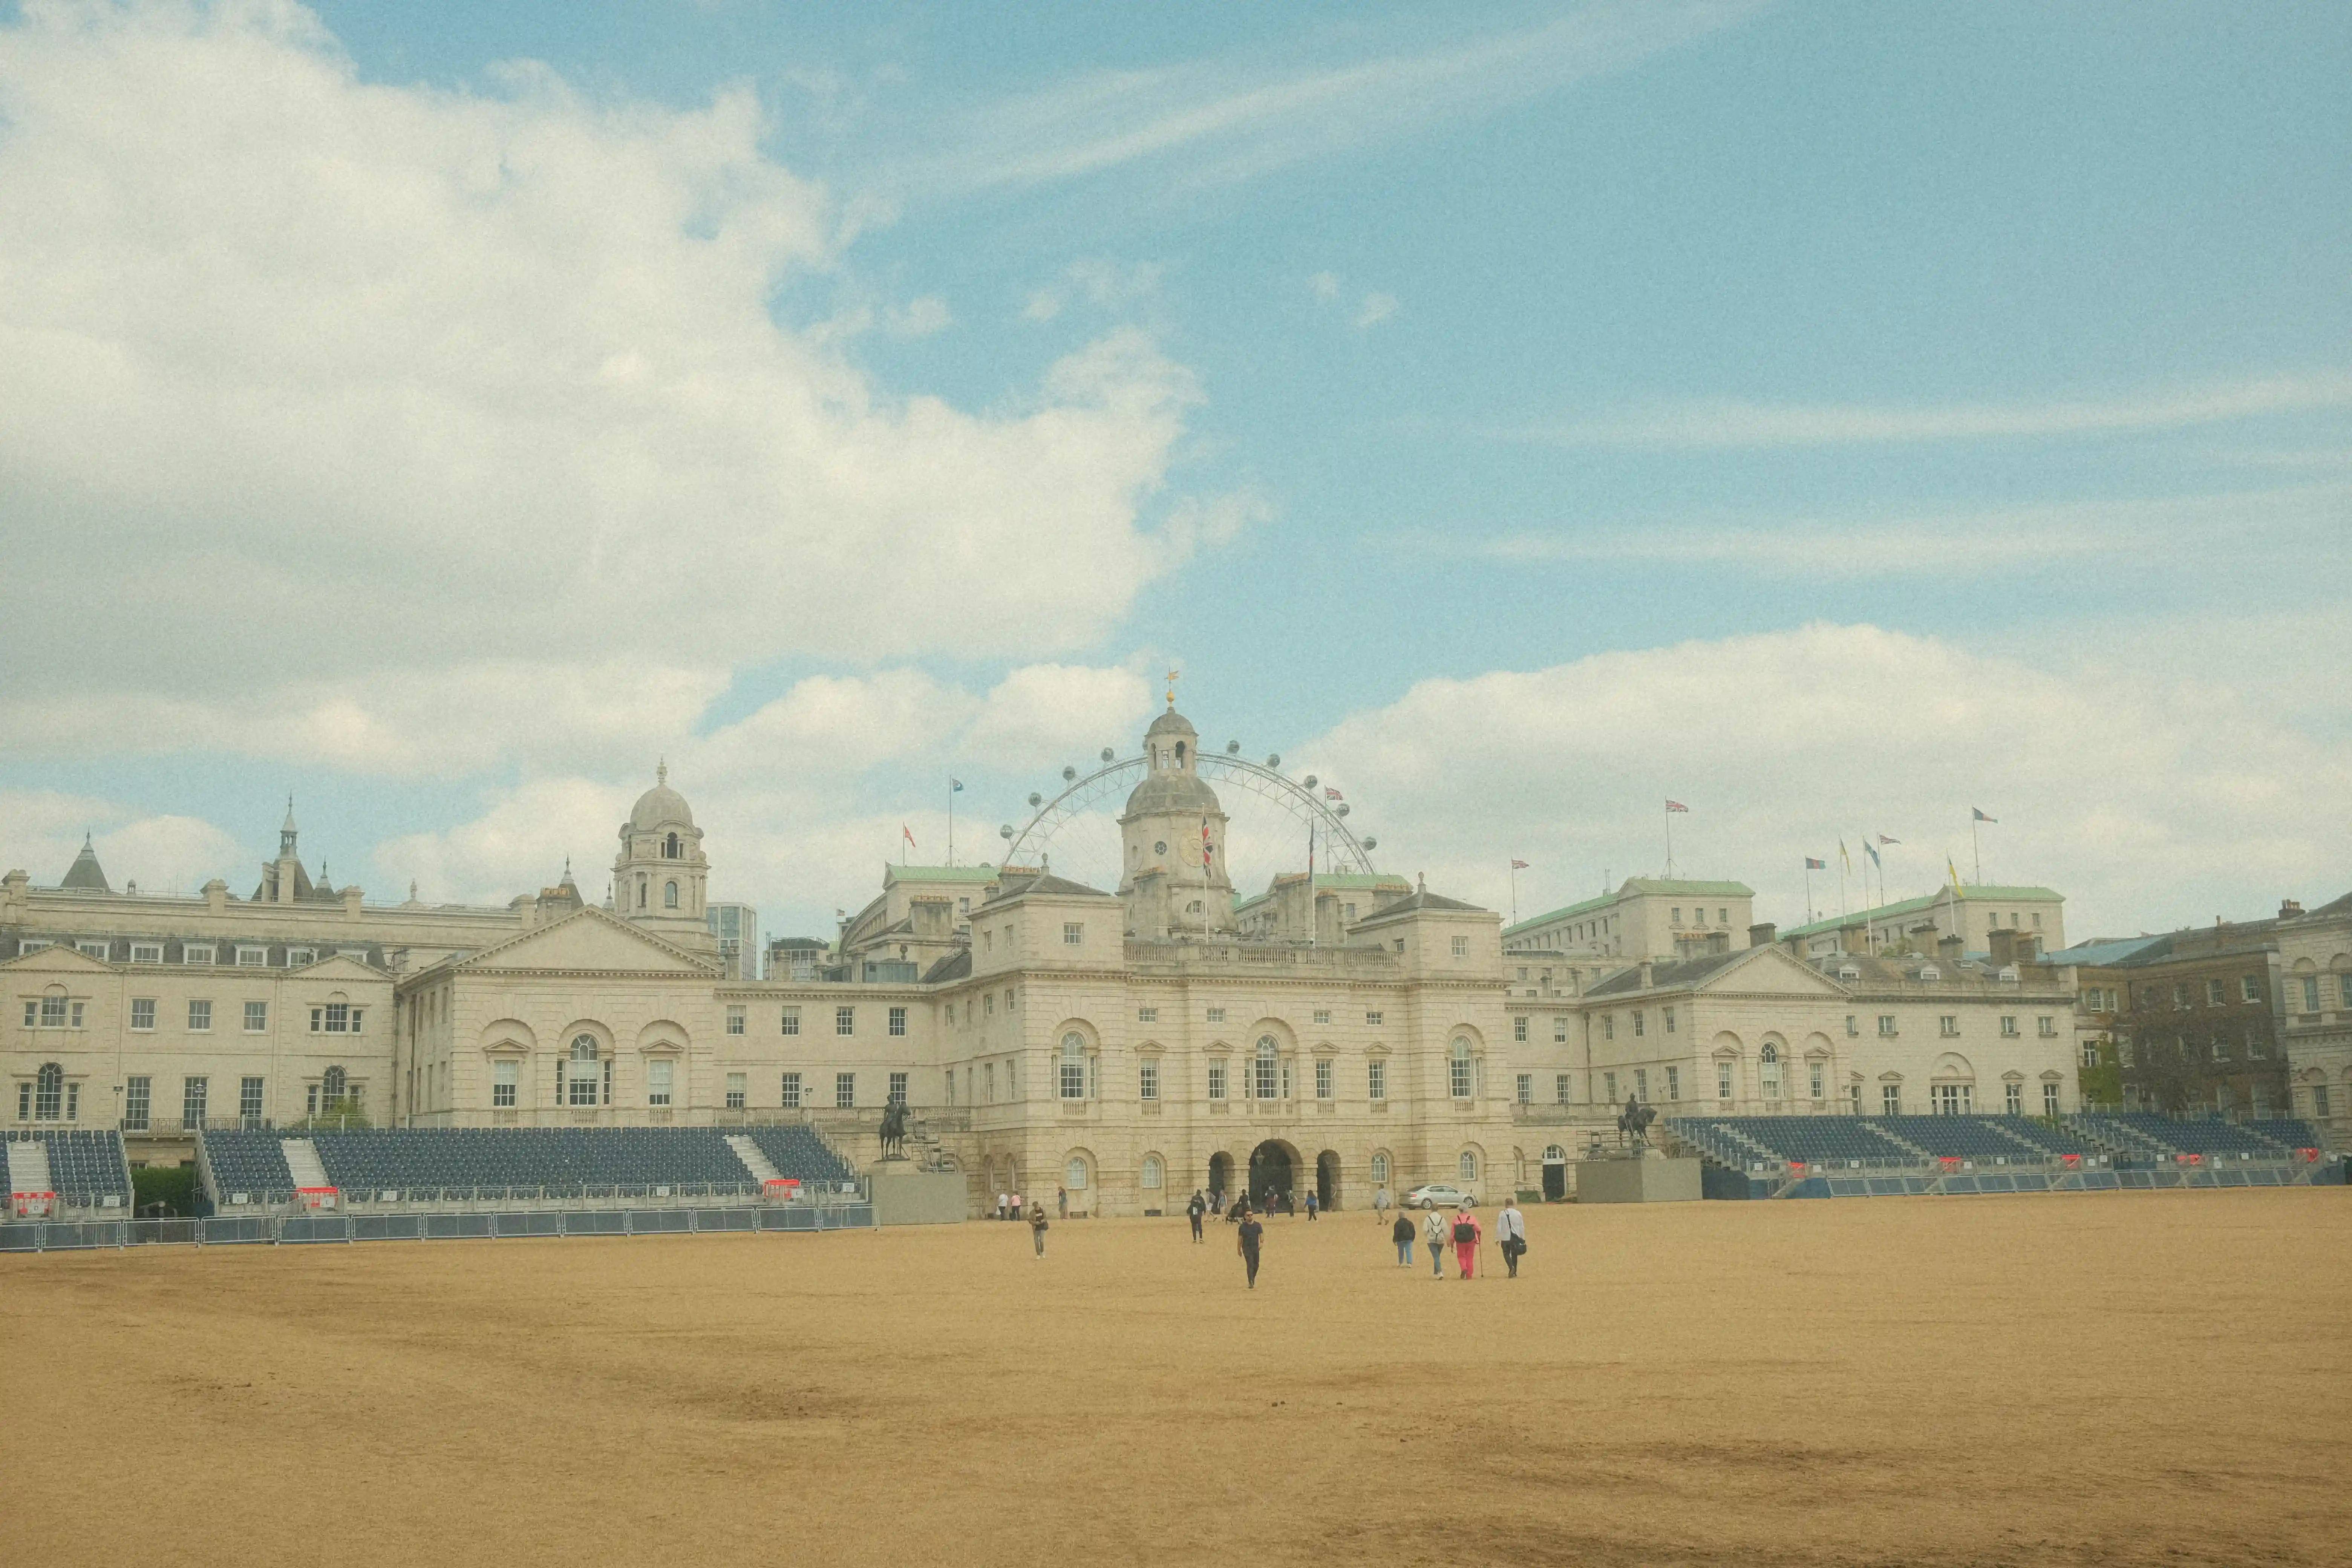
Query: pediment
{"x": 1772, "y": 972}
{"x": 591, "y": 939}
{"x": 335, "y": 966}
{"x": 60, "y": 959}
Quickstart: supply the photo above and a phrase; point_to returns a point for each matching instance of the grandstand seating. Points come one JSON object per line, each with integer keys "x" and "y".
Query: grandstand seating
{"x": 1989, "y": 1138}
{"x": 1815, "y": 1139}
{"x": 250, "y": 1163}
{"x": 418, "y": 1161}
{"x": 2052, "y": 1140}
{"x": 1834, "y": 1139}
{"x": 2207, "y": 1136}
{"x": 85, "y": 1167}
{"x": 2286, "y": 1132}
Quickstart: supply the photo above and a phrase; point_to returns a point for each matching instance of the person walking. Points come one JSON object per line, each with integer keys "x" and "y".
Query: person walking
{"x": 1061, "y": 1201}
{"x": 1433, "y": 1235}
{"x": 1466, "y": 1231}
{"x": 1245, "y": 1242}
{"x": 1314, "y": 1203}
{"x": 1401, "y": 1234}
{"x": 1004, "y": 1206}
{"x": 1381, "y": 1204}
{"x": 1193, "y": 1211}
{"x": 1511, "y": 1234}
{"x": 1016, "y": 1207}
{"x": 1037, "y": 1226}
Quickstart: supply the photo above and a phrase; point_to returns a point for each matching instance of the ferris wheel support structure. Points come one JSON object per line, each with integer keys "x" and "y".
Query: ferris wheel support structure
{"x": 1342, "y": 851}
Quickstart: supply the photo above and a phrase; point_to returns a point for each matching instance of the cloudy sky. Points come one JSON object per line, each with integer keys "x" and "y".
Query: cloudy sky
{"x": 1830, "y": 417}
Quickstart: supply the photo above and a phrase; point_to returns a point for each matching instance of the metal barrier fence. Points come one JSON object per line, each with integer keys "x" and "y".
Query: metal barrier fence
{"x": 65, "y": 1235}
{"x": 677, "y": 1195}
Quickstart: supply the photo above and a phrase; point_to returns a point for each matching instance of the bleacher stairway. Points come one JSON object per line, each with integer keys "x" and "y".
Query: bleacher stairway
{"x": 302, "y": 1160}
{"x": 29, "y": 1166}
{"x": 759, "y": 1164}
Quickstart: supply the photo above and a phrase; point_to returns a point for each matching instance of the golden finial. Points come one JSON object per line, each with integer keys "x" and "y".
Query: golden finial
{"x": 1171, "y": 686}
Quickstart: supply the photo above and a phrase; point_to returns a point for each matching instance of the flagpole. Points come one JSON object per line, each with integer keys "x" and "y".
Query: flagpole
{"x": 1515, "y": 892}
{"x": 1809, "y": 891}
{"x": 1670, "y": 843}
{"x": 950, "y": 822}
{"x": 1976, "y": 851}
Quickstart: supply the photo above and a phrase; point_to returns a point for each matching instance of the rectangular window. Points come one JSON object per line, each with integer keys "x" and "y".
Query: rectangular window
{"x": 1376, "y": 1078}
{"x": 988, "y": 1082}
{"x": 739, "y": 1092}
{"x": 1609, "y": 1085}
{"x": 735, "y": 1019}
{"x": 192, "y": 1101}
{"x": 2252, "y": 985}
{"x": 1323, "y": 1086}
{"x": 2216, "y": 992}
{"x": 298, "y": 956}
{"x": 53, "y": 1011}
{"x": 1674, "y": 1083}
{"x": 1525, "y": 1089}
{"x": 792, "y": 1094}
{"x": 1519, "y": 1027}
{"x": 1147, "y": 1015}
{"x": 1457, "y": 1074}
{"x": 845, "y": 1020}
{"x": 1670, "y": 1019}
{"x": 1607, "y": 1026}
{"x": 249, "y": 1100}
{"x": 257, "y": 1017}
{"x": 200, "y": 1017}
{"x": 658, "y": 1079}
{"x": 1073, "y": 933}
{"x": 1676, "y": 917}
{"x": 1073, "y": 1076}
{"x": 1323, "y": 1015}
{"x": 1640, "y": 1023}
{"x": 1853, "y": 1026}
{"x": 1217, "y": 1015}
{"x": 1641, "y": 1083}
{"x": 146, "y": 953}
{"x": 1816, "y": 1075}
{"x": 2090, "y": 1053}
{"x": 98, "y": 949}
{"x": 1217, "y": 1080}
{"x": 1890, "y": 1099}
{"x": 2311, "y": 993}
{"x": 898, "y": 1089}
{"x": 1950, "y": 1099}
{"x": 505, "y": 1079}
{"x": 1373, "y": 1018}
{"x": 2319, "y": 1099}
{"x": 2046, "y": 1026}
{"x": 898, "y": 1021}
{"x": 25, "y": 1099}
{"x": 336, "y": 1017}
{"x": 1886, "y": 1025}
{"x": 988, "y": 1003}
{"x": 845, "y": 1091}
{"x": 1461, "y": 947}
{"x": 252, "y": 957}
{"x": 2344, "y": 984}
{"x": 2009, "y": 1026}
{"x": 1147, "y": 1081}
{"x": 2221, "y": 1048}
{"x": 1948, "y": 1025}
{"x": 138, "y": 1093}
{"x": 196, "y": 952}
{"x": 1560, "y": 1029}
{"x": 790, "y": 1021}
{"x": 2049, "y": 1100}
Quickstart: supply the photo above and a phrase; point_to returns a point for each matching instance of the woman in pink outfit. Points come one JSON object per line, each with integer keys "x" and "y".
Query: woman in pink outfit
{"x": 1466, "y": 1234}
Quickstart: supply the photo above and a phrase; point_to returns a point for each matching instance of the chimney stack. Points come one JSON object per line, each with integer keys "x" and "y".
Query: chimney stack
{"x": 2289, "y": 909}
{"x": 1764, "y": 933}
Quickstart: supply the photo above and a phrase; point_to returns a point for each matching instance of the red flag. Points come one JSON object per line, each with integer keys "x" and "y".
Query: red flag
{"x": 1330, "y": 794}
{"x": 1677, "y": 805}
{"x": 1518, "y": 864}
{"x": 907, "y": 833}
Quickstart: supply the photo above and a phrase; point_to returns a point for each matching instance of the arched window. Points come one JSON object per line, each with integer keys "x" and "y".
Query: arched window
{"x": 1458, "y": 1069}
{"x": 1771, "y": 1058}
{"x": 336, "y": 1081}
{"x": 48, "y": 1092}
{"x": 1469, "y": 1166}
{"x": 1074, "y": 1065}
{"x": 1554, "y": 1155}
{"x": 1264, "y": 1077}
{"x": 640, "y": 891}
{"x": 1180, "y": 753}
{"x": 1381, "y": 1168}
{"x": 1154, "y": 1176}
{"x": 583, "y": 1074}
{"x": 669, "y": 895}
{"x": 1074, "y": 1174}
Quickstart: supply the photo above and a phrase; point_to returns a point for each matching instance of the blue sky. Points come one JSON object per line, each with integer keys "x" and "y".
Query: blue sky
{"x": 1601, "y": 350}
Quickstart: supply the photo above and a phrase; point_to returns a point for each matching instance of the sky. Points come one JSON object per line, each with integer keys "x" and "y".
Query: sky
{"x": 1833, "y": 417}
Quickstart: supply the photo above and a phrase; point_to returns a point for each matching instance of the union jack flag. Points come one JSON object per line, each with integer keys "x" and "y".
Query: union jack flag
{"x": 1677, "y": 805}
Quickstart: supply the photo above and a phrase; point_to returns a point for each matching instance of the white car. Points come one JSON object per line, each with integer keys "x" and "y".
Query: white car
{"x": 1438, "y": 1196}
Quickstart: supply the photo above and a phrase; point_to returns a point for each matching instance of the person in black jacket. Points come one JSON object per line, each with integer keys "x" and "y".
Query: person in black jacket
{"x": 1401, "y": 1234}
{"x": 1194, "y": 1210}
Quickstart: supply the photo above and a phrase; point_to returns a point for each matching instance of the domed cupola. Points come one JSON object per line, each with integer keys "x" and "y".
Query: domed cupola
{"x": 660, "y": 876}
{"x": 1173, "y": 836}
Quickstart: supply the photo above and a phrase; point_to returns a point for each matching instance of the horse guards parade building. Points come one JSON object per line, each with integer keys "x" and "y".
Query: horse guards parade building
{"x": 1344, "y": 1031}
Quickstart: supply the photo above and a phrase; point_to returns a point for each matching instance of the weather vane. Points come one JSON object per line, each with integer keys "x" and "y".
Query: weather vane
{"x": 1171, "y": 686}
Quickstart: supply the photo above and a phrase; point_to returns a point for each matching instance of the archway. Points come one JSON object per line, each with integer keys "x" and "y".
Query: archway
{"x": 1273, "y": 1168}
{"x": 1221, "y": 1175}
{"x": 1327, "y": 1179}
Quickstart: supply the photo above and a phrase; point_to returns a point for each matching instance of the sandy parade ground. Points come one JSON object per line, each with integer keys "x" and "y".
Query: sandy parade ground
{"x": 2157, "y": 1378}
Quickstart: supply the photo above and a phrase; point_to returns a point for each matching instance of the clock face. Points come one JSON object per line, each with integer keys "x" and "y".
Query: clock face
{"x": 1191, "y": 853}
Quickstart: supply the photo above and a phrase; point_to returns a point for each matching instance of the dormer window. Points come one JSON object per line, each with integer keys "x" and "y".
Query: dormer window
{"x": 1849, "y": 972}
{"x": 1929, "y": 971}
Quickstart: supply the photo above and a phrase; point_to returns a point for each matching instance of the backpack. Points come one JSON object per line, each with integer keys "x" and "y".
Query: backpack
{"x": 1464, "y": 1231}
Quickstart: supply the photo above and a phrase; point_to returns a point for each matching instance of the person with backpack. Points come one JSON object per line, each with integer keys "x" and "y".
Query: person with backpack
{"x": 1464, "y": 1236}
{"x": 1511, "y": 1234}
{"x": 1434, "y": 1233}
{"x": 1401, "y": 1234}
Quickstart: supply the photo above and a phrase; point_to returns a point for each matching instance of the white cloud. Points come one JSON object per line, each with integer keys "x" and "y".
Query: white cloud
{"x": 1726, "y": 423}
{"x": 1231, "y": 119}
{"x": 1324, "y": 285}
{"x": 332, "y": 380}
{"x": 41, "y": 832}
{"x": 920, "y": 318}
{"x": 2153, "y": 785}
{"x": 1376, "y": 308}
{"x": 518, "y": 846}
{"x": 1093, "y": 281}
{"x": 1056, "y": 713}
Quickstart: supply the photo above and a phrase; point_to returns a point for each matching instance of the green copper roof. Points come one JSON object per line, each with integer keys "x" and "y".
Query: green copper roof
{"x": 1654, "y": 886}
{"x": 1970, "y": 893}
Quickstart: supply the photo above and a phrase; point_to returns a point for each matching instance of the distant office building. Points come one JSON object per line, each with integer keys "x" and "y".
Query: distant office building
{"x": 737, "y": 928}
{"x": 1647, "y": 916}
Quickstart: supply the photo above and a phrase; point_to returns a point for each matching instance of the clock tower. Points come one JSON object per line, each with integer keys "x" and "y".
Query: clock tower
{"x": 1173, "y": 877}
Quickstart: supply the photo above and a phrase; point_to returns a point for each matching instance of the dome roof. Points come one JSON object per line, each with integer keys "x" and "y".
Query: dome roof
{"x": 1172, "y": 792}
{"x": 1171, "y": 723}
{"x": 661, "y": 806}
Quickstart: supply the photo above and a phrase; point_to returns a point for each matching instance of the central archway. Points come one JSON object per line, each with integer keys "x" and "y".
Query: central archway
{"x": 1273, "y": 1168}
{"x": 1327, "y": 1180}
{"x": 1221, "y": 1175}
